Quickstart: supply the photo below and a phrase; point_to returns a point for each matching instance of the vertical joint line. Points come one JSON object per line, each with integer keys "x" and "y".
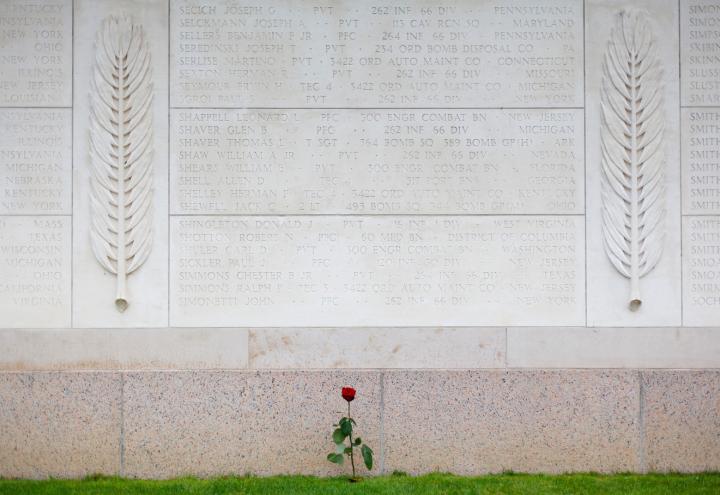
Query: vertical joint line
{"x": 382, "y": 422}
{"x": 506, "y": 348}
{"x": 680, "y": 161}
{"x": 585, "y": 174}
{"x": 122, "y": 424}
{"x": 167, "y": 162}
{"x": 642, "y": 462}
{"x": 72, "y": 163}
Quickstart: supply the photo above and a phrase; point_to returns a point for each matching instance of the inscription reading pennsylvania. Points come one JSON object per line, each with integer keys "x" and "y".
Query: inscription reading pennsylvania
{"x": 440, "y": 54}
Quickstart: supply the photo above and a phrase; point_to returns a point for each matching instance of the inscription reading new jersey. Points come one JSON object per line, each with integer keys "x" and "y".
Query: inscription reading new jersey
{"x": 449, "y": 54}
{"x": 399, "y": 161}
{"x": 364, "y": 270}
{"x": 35, "y": 53}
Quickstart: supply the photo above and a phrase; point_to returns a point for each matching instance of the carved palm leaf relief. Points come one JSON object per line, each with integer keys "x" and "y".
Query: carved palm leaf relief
{"x": 121, "y": 152}
{"x": 633, "y": 162}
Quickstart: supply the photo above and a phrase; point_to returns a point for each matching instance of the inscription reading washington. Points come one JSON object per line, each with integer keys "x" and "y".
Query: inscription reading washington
{"x": 376, "y": 270}
{"x": 445, "y": 54}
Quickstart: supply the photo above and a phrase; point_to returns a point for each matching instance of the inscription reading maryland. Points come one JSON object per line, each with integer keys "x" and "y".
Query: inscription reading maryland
{"x": 293, "y": 54}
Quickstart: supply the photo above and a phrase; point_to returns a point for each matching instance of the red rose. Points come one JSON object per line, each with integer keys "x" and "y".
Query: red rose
{"x": 348, "y": 393}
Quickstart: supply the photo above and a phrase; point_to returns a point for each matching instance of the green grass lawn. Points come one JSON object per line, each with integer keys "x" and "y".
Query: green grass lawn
{"x": 442, "y": 484}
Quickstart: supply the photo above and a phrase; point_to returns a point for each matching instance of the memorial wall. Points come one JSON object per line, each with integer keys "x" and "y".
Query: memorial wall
{"x": 532, "y": 187}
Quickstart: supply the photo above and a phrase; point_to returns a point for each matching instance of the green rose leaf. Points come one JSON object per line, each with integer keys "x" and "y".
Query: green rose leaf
{"x": 346, "y": 427}
{"x": 336, "y": 458}
{"x": 338, "y": 436}
{"x": 348, "y": 450}
{"x": 367, "y": 454}
{"x": 357, "y": 442}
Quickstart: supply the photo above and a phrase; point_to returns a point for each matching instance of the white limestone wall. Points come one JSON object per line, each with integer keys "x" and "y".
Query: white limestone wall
{"x": 360, "y": 186}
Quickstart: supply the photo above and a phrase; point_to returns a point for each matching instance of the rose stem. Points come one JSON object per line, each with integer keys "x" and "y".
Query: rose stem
{"x": 352, "y": 449}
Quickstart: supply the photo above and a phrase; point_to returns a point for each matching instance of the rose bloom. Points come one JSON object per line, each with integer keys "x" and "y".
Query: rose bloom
{"x": 348, "y": 393}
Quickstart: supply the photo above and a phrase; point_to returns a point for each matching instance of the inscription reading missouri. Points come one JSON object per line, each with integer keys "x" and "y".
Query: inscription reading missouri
{"x": 445, "y": 54}
{"x": 399, "y": 161}
{"x": 376, "y": 271}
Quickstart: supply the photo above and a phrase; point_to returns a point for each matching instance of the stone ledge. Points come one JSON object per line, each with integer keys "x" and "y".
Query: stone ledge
{"x": 123, "y": 349}
{"x": 661, "y": 347}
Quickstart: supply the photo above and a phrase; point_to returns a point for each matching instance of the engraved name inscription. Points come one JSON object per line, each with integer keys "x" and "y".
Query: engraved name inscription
{"x": 364, "y": 270}
{"x": 377, "y": 161}
{"x": 701, "y": 160}
{"x": 700, "y": 45}
{"x": 35, "y": 165}
{"x": 35, "y": 53}
{"x": 35, "y": 267}
{"x": 701, "y": 257}
{"x": 444, "y": 54}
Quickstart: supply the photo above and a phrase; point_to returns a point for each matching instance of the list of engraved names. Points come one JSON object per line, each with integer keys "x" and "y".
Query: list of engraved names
{"x": 419, "y": 54}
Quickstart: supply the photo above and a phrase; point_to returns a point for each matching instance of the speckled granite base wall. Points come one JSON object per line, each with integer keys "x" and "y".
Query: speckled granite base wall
{"x": 206, "y": 423}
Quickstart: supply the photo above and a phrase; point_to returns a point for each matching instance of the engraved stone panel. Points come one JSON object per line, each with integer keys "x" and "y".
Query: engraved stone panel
{"x": 35, "y": 161}
{"x": 418, "y": 54}
{"x": 701, "y": 160}
{"x": 701, "y": 270}
{"x": 643, "y": 230}
{"x": 377, "y": 161}
{"x": 95, "y": 285}
{"x": 35, "y": 267}
{"x": 35, "y": 53}
{"x": 700, "y": 52}
{"x": 375, "y": 271}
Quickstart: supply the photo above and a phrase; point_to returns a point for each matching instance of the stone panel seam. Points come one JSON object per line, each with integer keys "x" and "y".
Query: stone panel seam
{"x": 680, "y": 161}
{"x": 72, "y": 163}
{"x": 642, "y": 462}
{"x": 506, "y": 349}
{"x": 167, "y": 164}
{"x": 122, "y": 424}
{"x": 382, "y": 422}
